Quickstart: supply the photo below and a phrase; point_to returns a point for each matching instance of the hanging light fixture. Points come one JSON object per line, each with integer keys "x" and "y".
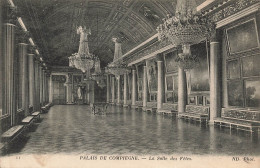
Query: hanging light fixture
{"x": 117, "y": 67}
{"x": 98, "y": 75}
{"x": 83, "y": 60}
{"x": 186, "y": 28}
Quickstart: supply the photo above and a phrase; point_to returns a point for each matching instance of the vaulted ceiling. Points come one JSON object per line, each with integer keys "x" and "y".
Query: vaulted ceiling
{"x": 53, "y": 24}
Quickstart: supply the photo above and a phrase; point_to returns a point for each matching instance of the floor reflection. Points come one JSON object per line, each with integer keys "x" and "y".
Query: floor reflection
{"x": 73, "y": 129}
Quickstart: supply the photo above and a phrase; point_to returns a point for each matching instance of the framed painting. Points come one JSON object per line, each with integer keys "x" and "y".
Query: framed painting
{"x": 140, "y": 84}
{"x": 233, "y": 69}
{"x": 140, "y": 96}
{"x": 175, "y": 96}
{"x": 169, "y": 83}
{"x": 152, "y": 75}
{"x": 169, "y": 59}
{"x": 242, "y": 37}
{"x": 250, "y": 66}
{"x": 140, "y": 70}
{"x": 252, "y": 93}
{"x": 129, "y": 82}
{"x": 199, "y": 76}
{"x": 235, "y": 93}
{"x": 175, "y": 82}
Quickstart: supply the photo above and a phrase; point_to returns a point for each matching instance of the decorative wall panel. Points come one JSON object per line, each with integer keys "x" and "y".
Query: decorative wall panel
{"x": 152, "y": 72}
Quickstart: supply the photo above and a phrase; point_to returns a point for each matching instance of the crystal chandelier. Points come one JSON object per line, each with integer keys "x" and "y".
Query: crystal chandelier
{"x": 117, "y": 67}
{"x": 83, "y": 60}
{"x": 98, "y": 75}
{"x": 186, "y": 28}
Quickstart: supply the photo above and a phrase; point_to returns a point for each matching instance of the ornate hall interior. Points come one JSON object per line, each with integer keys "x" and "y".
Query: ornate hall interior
{"x": 142, "y": 77}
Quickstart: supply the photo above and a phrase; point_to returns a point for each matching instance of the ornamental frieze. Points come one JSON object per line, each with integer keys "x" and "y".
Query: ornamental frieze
{"x": 149, "y": 50}
{"x": 231, "y": 9}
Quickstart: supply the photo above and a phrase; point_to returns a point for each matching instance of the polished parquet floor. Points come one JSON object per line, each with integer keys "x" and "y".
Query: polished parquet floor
{"x": 72, "y": 129}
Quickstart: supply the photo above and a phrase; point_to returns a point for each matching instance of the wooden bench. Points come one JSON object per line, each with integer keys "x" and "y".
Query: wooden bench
{"x": 168, "y": 109}
{"x": 27, "y": 121}
{"x": 246, "y": 125}
{"x": 44, "y": 109}
{"x": 167, "y": 112}
{"x": 194, "y": 117}
{"x": 195, "y": 113}
{"x": 128, "y": 104}
{"x": 111, "y": 103}
{"x": 36, "y": 115}
{"x": 11, "y": 134}
{"x": 151, "y": 107}
{"x": 138, "y": 105}
{"x": 239, "y": 119}
{"x": 119, "y": 104}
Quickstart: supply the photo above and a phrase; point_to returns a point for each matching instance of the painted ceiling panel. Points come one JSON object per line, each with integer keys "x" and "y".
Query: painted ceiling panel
{"x": 53, "y": 24}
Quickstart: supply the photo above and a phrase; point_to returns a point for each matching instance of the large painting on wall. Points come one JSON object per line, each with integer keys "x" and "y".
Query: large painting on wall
{"x": 199, "y": 76}
{"x": 140, "y": 71}
{"x": 169, "y": 83}
{"x": 251, "y": 66}
{"x": 152, "y": 75}
{"x": 233, "y": 69}
{"x": 175, "y": 82}
{"x": 242, "y": 37}
{"x": 140, "y": 84}
{"x": 140, "y": 74}
{"x": 235, "y": 93}
{"x": 170, "y": 64}
{"x": 252, "y": 88}
{"x": 130, "y": 82}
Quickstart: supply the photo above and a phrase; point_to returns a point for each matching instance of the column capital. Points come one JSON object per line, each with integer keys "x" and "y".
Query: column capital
{"x": 215, "y": 36}
{"x": 159, "y": 57}
{"x": 10, "y": 13}
{"x": 32, "y": 48}
{"x": 133, "y": 67}
{"x": 21, "y": 35}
